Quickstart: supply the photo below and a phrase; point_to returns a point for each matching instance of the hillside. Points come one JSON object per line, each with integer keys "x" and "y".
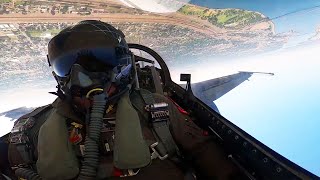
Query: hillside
{"x": 224, "y": 18}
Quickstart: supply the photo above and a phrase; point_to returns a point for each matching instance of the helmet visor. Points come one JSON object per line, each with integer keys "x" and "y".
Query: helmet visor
{"x": 93, "y": 60}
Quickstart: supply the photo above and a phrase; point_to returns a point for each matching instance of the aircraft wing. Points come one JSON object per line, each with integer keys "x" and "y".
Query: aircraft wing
{"x": 16, "y": 113}
{"x": 211, "y": 90}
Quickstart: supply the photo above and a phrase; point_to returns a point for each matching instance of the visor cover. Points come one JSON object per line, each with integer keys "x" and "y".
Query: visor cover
{"x": 93, "y": 60}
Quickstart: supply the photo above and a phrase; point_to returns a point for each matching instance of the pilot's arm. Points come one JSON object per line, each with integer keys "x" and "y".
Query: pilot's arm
{"x": 5, "y": 168}
{"x": 207, "y": 157}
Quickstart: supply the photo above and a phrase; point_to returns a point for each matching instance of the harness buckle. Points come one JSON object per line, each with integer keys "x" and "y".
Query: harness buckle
{"x": 155, "y": 154}
{"x": 130, "y": 172}
{"x": 159, "y": 111}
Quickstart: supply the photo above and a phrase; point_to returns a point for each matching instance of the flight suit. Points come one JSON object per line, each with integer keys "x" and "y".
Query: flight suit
{"x": 200, "y": 152}
{"x": 4, "y": 164}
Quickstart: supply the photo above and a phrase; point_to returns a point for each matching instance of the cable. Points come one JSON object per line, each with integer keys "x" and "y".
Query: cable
{"x": 27, "y": 174}
{"x": 294, "y": 12}
{"x": 287, "y": 14}
{"x": 93, "y": 90}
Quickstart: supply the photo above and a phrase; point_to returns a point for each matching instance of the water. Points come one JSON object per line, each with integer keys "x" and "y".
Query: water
{"x": 304, "y": 22}
{"x": 270, "y": 7}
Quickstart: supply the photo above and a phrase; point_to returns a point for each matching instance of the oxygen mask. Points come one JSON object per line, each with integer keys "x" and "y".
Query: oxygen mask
{"x": 85, "y": 83}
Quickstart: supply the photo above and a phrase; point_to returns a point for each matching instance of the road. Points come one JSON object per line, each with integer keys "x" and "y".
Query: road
{"x": 114, "y": 17}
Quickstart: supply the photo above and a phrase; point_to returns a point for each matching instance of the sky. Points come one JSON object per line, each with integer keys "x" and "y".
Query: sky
{"x": 29, "y": 97}
{"x": 281, "y": 111}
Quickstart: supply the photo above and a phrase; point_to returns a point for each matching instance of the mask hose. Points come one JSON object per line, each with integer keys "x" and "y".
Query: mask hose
{"x": 91, "y": 153}
{"x": 27, "y": 174}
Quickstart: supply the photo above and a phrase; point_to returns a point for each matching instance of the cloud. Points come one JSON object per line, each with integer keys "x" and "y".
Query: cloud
{"x": 15, "y": 98}
{"x": 157, "y": 6}
{"x": 28, "y": 97}
{"x": 288, "y": 62}
{"x": 5, "y": 125}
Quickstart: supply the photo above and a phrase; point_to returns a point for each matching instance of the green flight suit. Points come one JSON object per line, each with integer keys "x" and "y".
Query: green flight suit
{"x": 204, "y": 154}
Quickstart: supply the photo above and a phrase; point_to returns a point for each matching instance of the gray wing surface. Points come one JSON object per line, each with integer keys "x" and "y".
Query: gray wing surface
{"x": 211, "y": 90}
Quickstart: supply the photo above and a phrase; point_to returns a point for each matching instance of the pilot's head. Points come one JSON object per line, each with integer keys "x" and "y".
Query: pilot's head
{"x": 89, "y": 58}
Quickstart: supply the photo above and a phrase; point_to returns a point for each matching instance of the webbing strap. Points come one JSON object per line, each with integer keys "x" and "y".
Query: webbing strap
{"x": 161, "y": 129}
{"x": 156, "y": 80}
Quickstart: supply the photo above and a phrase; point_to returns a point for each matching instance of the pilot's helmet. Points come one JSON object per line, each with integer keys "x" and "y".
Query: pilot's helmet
{"x": 85, "y": 54}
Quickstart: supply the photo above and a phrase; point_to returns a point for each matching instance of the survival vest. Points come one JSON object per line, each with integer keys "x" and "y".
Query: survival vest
{"x": 24, "y": 135}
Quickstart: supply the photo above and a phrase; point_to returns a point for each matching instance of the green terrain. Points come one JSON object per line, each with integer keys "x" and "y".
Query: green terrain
{"x": 224, "y": 18}
{"x": 5, "y": 1}
{"x": 40, "y": 33}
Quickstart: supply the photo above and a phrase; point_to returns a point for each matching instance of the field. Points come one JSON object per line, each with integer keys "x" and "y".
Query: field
{"x": 39, "y": 33}
{"x": 227, "y": 18}
{"x": 5, "y": 1}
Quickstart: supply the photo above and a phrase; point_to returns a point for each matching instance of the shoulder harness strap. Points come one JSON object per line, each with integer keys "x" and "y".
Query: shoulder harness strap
{"x": 25, "y": 132}
{"x": 159, "y": 120}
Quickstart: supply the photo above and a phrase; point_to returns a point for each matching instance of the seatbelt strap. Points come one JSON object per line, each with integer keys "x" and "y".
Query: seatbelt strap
{"x": 156, "y": 80}
{"x": 166, "y": 145}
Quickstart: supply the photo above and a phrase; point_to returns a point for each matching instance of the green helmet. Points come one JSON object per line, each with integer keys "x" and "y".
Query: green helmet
{"x": 87, "y": 54}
